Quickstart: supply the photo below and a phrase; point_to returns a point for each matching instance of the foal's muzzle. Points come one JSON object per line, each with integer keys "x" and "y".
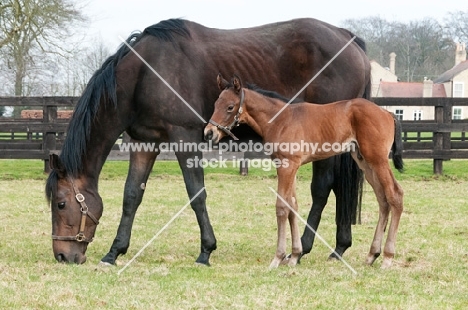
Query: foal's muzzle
{"x": 212, "y": 133}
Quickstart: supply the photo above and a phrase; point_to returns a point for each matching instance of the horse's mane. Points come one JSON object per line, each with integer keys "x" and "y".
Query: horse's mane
{"x": 166, "y": 29}
{"x": 103, "y": 85}
{"x": 270, "y": 93}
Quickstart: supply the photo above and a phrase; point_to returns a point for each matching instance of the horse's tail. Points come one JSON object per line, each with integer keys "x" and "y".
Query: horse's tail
{"x": 368, "y": 89}
{"x": 350, "y": 183}
{"x": 397, "y": 147}
{"x": 351, "y": 178}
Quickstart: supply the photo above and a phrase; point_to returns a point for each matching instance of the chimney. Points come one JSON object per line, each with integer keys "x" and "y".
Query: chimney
{"x": 460, "y": 53}
{"x": 392, "y": 62}
{"x": 427, "y": 87}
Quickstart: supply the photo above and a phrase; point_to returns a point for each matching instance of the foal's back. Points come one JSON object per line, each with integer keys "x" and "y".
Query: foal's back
{"x": 342, "y": 120}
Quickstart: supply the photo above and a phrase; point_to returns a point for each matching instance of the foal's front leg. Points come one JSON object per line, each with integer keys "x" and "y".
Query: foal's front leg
{"x": 284, "y": 203}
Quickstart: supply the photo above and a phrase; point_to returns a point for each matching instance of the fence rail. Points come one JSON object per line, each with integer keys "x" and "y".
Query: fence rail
{"x": 442, "y": 147}
{"x": 439, "y": 139}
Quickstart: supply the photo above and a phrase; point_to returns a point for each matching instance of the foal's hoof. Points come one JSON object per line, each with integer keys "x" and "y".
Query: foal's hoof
{"x": 371, "y": 258}
{"x": 298, "y": 259}
{"x": 387, "y": 263}
{"x": 275, "y": 263}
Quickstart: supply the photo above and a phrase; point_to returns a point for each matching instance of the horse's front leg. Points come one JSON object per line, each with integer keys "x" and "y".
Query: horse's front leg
{"x": 285, "y": 204}
{"x": 140, "y": 167}
{"x": 194, "y": 183}
{"x": 320, "y": 188}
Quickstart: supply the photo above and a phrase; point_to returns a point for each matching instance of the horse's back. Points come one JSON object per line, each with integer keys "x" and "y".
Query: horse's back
{"x": 284, "y": 56}
{"x": 280, "y": 56}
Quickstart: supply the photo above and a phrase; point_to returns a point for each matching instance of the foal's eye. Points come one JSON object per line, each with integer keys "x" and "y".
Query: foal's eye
{"x": 230, "y": 108}
{"x": 61, "y": 205}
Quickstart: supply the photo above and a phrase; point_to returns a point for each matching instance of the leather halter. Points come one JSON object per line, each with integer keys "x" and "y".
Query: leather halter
{"x": 235, "y": 123}
{"x": 80, "y": 237}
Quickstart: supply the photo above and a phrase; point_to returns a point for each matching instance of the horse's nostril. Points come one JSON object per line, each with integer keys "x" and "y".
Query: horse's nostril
{"x": 209, "y": 135}
{"x": 61, "y": 258}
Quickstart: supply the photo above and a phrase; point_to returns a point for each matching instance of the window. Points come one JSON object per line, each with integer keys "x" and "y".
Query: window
{"x": 457, "y": 113}
{"x": 417, "y": 115}
{"x": 399, "y": 114}
{"x": 458, "y": 89}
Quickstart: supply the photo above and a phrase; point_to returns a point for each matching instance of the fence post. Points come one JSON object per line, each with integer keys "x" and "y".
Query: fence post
{"x": 438, "y": 139}
{"x": 442, "y": 140}
{"x": 447, "y": 136}
{"x": 48, "y": 137}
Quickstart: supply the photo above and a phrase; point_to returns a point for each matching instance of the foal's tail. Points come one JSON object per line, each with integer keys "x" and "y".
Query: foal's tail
{"x": 397, "y": 147}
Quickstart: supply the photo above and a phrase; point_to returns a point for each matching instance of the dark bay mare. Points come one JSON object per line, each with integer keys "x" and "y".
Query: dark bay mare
{"x": 126, "y": 95}
{"x": 358, "y": 126}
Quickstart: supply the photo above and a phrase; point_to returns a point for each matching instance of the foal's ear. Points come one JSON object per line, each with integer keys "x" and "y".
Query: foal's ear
{"x": 56, "y": 164}
{"x": 236, "y": 81}
{"x": 222, "y": 83}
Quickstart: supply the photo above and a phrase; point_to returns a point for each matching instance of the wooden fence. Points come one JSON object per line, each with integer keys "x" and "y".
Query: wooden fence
{"x": 31, "y": 138}
{"x": 447, "y": 137}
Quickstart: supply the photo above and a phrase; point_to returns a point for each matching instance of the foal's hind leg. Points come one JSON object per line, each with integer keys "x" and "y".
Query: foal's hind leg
{"x": 394, "y": 197}
{"x": 390, "y": 198}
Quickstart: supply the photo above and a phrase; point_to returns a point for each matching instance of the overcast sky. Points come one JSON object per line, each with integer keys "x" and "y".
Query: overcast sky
{"x": 111, "y": 18}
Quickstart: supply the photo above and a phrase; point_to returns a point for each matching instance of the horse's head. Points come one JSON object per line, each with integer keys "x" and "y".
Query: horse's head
{"x": 227, "y": 109}
{"x": 76, "y": 208}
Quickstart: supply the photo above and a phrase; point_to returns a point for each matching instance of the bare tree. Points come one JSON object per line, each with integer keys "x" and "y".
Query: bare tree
{"x": 457, "y": 25}
{"x": 375, "y": 30}
{"x": 86, "y": 63}
{"x": 33, "y": 29}
{"x": 423, "y": 48}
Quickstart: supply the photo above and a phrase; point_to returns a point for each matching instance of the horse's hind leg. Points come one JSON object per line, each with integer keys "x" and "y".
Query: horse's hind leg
{"x": 320, "y": 188}
{"x": 140, "y": 167}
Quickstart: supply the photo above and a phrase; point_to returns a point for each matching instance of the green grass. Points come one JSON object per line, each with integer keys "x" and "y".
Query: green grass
{"x": 16, "y": 169}
{"x": 429, "y": 270}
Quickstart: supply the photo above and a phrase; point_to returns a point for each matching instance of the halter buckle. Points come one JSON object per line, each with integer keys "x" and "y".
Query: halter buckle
{"x": 80, "y": 237}
{"x": 79, "y": 197}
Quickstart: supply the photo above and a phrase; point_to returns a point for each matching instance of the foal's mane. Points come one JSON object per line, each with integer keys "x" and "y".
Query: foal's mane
{"x": 270, "y": 93}
{"x": 102, "y": 85}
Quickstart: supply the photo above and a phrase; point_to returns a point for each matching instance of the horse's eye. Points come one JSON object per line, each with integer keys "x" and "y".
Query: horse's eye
{"x": 61, "y": 205}
{"x": 230, "y": 108}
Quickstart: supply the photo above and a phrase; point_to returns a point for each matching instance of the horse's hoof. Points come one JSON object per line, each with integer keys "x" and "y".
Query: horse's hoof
{"x": 334, "y": 257}
{"x": 203, "y": 259}
{"x": 202, "y": 264}
{"x": 105, "y": 264}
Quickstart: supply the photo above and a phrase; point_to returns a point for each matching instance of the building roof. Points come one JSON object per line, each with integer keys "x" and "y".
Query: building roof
{"x": 406, "y": 89}
{"x": 448, "y": 75}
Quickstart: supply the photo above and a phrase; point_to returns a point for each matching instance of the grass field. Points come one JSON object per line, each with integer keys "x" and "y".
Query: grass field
{"x": 430, "y": 269}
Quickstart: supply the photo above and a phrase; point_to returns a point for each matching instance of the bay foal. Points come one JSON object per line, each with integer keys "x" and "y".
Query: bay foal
{"x": 367, "y": 130}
